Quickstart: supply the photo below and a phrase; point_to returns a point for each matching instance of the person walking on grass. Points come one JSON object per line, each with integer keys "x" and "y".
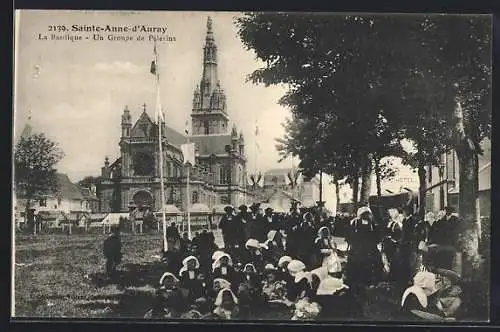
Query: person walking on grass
{"x": 112, "y": 249}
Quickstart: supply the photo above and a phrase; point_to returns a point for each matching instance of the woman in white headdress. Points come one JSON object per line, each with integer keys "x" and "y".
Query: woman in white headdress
{"x": 169, "y": 300}
{"x": 326, "y": 248}
{"x": 226, "y": 305}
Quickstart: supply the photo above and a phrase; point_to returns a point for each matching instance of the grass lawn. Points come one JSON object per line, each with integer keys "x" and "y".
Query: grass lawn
{"x": 58, "y": 275}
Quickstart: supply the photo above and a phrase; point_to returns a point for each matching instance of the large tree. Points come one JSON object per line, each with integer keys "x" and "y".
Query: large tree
{"x": 35, "y": 158}
{"x": 334, "y": 67}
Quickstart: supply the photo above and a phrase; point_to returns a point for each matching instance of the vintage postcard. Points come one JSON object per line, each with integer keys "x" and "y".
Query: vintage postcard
{"x": 251, "y": 166}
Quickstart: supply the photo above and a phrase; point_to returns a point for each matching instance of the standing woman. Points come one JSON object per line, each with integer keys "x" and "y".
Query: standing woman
{"x": 391, "y": 241}
{"x": 422, "y": 231}
{"x": 364, "y": 263}
{"x": 325, "y": 247}
{"x": 408, "y": 247}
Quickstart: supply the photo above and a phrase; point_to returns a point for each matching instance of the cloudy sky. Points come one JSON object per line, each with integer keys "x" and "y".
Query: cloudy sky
{"x": 76, "y": 91}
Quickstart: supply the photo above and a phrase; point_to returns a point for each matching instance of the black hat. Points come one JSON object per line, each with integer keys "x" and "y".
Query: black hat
{"x": 254, "y": 206}
{"x": 243, "y": 208}
{"x": 269, "y": 209}
{"x": 228, "y": 209}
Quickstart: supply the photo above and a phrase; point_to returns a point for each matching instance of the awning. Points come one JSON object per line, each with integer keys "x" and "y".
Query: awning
{"x": 199, "y": 208}
{"x": 170, "y": 209}
{"x": 114, "y": 218}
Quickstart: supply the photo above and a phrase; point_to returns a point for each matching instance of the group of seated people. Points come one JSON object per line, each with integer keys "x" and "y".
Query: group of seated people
{"x": 241, "y": 284}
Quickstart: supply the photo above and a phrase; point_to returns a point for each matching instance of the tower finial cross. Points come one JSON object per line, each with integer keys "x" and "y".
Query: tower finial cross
{"x": 144, "y": 107}
{"x": 209, "y": 24}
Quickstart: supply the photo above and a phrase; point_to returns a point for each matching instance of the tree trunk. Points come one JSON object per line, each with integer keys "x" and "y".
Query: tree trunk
{"x": 366, "y": 182}
{"x": 29, "y": 217}
{"x": 421, "y": 189}
{"x": 468, "y": 240}
{"x": 377, "y": 176}
{"x": 337, "y": 192}
{"x": 355, "y": 192}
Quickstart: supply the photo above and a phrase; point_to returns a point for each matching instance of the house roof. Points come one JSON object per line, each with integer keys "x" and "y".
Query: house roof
{"x": 211, "y": 144}
{"x": 67, "y": 189}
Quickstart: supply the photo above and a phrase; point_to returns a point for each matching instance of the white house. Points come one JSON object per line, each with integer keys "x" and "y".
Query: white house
{"x": 69, "y": 201}
{"x": 443, "y": 182}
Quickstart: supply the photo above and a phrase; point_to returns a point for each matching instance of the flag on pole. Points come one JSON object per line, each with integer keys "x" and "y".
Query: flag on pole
{"x": 188, "y": 153}
{"x": 260, "y": 180}
{"x": 187, "y": 127}
{"x": 154, "y": 64}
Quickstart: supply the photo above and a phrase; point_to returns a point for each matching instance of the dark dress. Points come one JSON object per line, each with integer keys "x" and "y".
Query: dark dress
{"x": 112, "y": 252}
{"x": 407, "y": 249}
{"x": 364, "y": 264}
{"x": 172, "y": 300}
{"x": 296, "y": 289}
{"x": 305, "y": 246}
{"x": 445, "y": 234}
{"x": 391, "y": 248}
{"x": 193, "y": 285}
{"x": 230, "y": 275}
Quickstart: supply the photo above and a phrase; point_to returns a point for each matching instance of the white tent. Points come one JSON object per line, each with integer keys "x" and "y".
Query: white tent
{"x": 170, "y": 210}
{"x": 114, "y": 218}
{"x": 199, "y": 208}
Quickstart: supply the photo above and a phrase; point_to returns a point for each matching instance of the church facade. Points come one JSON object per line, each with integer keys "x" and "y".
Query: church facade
{"x": 132, "y": 181}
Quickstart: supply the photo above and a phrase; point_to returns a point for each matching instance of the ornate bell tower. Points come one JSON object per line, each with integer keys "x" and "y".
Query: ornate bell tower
{"x": 209, "y": 115}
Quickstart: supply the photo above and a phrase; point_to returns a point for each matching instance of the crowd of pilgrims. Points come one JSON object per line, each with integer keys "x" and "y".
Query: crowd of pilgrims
{"x": 290, "y": 261}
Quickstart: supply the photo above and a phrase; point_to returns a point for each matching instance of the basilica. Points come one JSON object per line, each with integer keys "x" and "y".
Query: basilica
{"x": 132, "y": 181}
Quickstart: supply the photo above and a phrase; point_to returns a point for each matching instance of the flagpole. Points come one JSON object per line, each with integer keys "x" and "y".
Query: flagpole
{"x": 160, "y": 144}
{"x": 188, "y": 199}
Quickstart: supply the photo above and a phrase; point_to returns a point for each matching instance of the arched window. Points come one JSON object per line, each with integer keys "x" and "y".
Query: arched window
{"x": 170, "y": 172}
{"x": 224, "y": 175}
{"x": 195, "y": 197}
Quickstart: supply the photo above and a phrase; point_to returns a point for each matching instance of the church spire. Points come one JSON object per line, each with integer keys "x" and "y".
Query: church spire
{"x": 209, "y": 78}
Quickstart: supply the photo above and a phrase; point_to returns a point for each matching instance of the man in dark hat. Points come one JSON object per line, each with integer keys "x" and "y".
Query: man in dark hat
{"x": 242, "y": 231}
{"x": 112, "y": 250}
{"x": 443, "y": 236}
{"x": 227, "y": 225}
{"x": 256, "y": 223}
{"x": 271, "y": 222}
{"x": 291, "y": 225}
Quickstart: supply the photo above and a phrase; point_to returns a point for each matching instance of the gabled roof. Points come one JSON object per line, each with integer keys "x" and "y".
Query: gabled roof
{"x": 211, "y": 144}
{"x": 142, "y": 127}
{"x": 67, "y": 189}
{"x": 146, "y": 127}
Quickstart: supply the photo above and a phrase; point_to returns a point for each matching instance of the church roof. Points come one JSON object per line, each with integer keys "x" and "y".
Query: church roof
{"x": 211, "y": 144}
{"x": 174, "y": 137}
{"x": 146, "y": 127}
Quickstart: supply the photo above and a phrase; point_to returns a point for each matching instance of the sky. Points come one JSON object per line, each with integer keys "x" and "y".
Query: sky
{"x": 75, "y": 91}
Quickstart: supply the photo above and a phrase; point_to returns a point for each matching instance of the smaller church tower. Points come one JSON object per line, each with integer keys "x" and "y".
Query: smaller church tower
{"x": 126, "y": 122}
{"x": 234, "y": 138}
{"x": 105, "y": 171}
{"x": 241, "y": 144}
